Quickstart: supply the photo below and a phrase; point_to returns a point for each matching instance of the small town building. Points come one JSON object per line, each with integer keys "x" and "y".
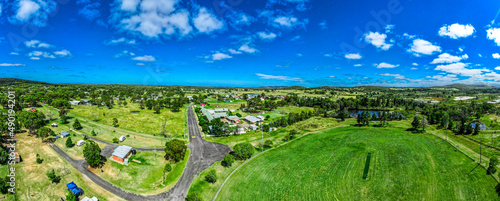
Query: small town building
{"x": 234, "y": 119}
{"x": 241, "y": 131}
{"x": 80, "y": 142}
{"x": 64, "y": 134}
{"x": 252, "y": 120}
{"x": 122, "y": 138}
{"x": 74, "y": 102}
{"x": 261, "y": 117}
{"x": 122, "y": 153}
{"x": 53, "y": 124}
{"x": 253, "y": 127}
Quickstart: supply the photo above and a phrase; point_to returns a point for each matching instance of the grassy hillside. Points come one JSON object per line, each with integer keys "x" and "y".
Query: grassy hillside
{"x": 329, "y": 166}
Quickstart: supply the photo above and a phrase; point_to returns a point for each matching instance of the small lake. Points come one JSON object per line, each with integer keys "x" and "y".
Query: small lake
{"x": 355, "y": 113}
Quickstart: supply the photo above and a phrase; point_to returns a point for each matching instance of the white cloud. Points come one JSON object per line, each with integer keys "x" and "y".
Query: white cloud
{"x": 353, "y": 56}
{"x": 447, "y": 58}
{"x": 358, "y": 65}
{"x": 497, "y": 68}
{"x": 233, "y": 51}
{"x": 328, "y": 55}
{"x": 35, "y": 58}
{"x": 277, "y": 77}
{"x": 492, "y": 76}
{"x": 35, "y": 12}
{"x": 14, "y": 53}
{"x": 496, "y": 56}
{"x": 37, "y": 44}
{"x": 287, "y": 22}
{"x": 386, "y": 65}
{"x": 121, "y": 41}
{"x": 9, "y": 64}
{"x": 207, "y": 22}
{"x": 152, "y": 18}
{"x": 460, "y": 69}
{"x": 494, "y": 35}
{"x": 246, "y": 48}
{"x": 421, "y": 47}
{"x": 414, "y": 68}
{"x": 140, "y": 64}
{"x": 378, "y": 40}
{"x": 414, "y": 64}
{"x": 331, "y": 76}
{"x": 62, "y": 53}
{"x": 124, "y": 53}
{"x": 220, "y": 56}
{"x": 38, "y": 54}
{"x": 389, "y": 28}
{"x": 299, "y": 55}
{"x": 148, "y": 58}
{"x": 456, "y": 31}
{"x": 395, "y": 76}
{"x": 266, "y": 36}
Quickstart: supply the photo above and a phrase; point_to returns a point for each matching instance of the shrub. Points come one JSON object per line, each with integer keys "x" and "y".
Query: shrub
{"x": 243, "y": 151}
{"x": 211, "y": 176}
{"x": 38, "y": 159}
{"x": 167, "y": 168}
{"x": 268, "y": 144}
{"x": 196, "y": 197}
{"x": 227, "y": 161}
{"x": 92, "y": 153}
{"x": 93, "y": 133}
{"x": 69, "y": 142}
{"x": 77, "y": 125}
{"x": 70, "y": 196}
{"x": 115, "y": 140}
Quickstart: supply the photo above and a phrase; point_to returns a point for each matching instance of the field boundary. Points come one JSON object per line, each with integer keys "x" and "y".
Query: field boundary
{"x": 305, "y": 134}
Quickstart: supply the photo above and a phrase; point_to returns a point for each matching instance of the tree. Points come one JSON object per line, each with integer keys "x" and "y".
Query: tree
{"x": 157, "y": 109}
{"x": 115, "y": 122}
{"x": 64, "y": 119}
{"x": 77, "y": 125}
{"x": 69, "y": 143}
{"x": 265, "y": 128}
{"x": 71, "y": 196}
{"x": 43, "y": 132}
{"x": 469, "y": 129}
{"x": 195, "y": 196}
{"x": 424, "y": 123}
{"x": 243, "y": 151}
{"x": 238, "y": 114}
{"x": 227, "y": 161}
{"x": 116, "y": 141}
{"x": 53, "y": 177}
{"x": 497, "y": 189}
{"x": 268, "y": 144}
{"x": 415, "y": 124}
{"x": 93, "y": 133}
{"x": 175, "y": 150}
{"x": 92, "y": 153}
{"x": 4, "y": 188}
{"x": 477, "y": 128}
{"x": 31, "y": 120}
{"x": 211, "y": 176}
{"x": 167, "y": 168}
{"x": 492, "y": 165}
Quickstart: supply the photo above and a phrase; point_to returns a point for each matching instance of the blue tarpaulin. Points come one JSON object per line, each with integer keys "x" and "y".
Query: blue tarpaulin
{"x": 73, "y": 188}
{"x": 71, "y": 185}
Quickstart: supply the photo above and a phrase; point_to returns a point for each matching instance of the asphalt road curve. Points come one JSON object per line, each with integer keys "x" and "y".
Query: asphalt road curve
{"x": 203, "y": 155}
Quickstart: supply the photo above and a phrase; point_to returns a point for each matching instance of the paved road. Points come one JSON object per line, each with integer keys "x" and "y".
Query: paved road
{"x": 203, "y": 155}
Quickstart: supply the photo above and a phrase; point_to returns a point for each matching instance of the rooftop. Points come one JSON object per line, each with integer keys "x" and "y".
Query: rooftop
{"x": 122, "y": 151}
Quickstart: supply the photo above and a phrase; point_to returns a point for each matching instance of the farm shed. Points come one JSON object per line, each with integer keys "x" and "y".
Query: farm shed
{"x": 122, "y": 153}
{"x": 80, "y": 142}
{"x": 64, "y": 134}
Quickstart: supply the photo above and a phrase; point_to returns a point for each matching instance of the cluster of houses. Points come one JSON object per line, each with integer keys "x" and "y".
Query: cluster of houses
{"x": 252, "y": 122}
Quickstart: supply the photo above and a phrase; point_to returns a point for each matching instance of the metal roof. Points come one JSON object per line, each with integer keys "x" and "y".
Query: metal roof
{"x": 234, "y": 118}
{"x": 122, "y": 151}
{"x": 252, "y": 119}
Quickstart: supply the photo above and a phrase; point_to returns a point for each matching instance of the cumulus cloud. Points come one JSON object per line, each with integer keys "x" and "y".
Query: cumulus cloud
{"x": 121, "y": 41}
{"x": 447, "y": 58}
{"x": 494, "y": 35}
{"x": 421, "y": 47}
{"x": 353, "y": 56}
{"x": 14, "y": 53}
{"x": 395, "y": 76}
{"x": 220, "y": 56}
{"x": 62, "y": 53}
{"x": 358, "y": 65}
{"x": 496, "y": 56}
{"x": 386, "y": 65}
{"x": 456, "y": 31}
{"x": 497, "y": 68}
{"x": 460, "y": 69}
{"x": 377, "y": 40}
{"x": 124, "y": 53}
{"x": 11, "y": 64}
{"x": 246, "y": 48}
{"x": 37, "y": 44}
{"x": 40, "y": 54}
{"x": 35, "y": 12}
{"x": 266, "y": 36}
{"x": 207, "y": 22}
{"x": 238, "y": 19}
{"x": 147, "y": 58}
{"x": 277, "y": 77}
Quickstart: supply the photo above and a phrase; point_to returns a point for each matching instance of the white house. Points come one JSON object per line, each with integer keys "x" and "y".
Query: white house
{"x": 64, "y": 134}
{"x": 252, "y": 127}
{"x": 80, "y": 142}
{"x": 122, "y": 138}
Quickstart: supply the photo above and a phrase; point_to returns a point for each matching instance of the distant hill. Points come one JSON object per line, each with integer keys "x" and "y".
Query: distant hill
{"x": 14, "y": 81}
{"x": 465, "y": 86}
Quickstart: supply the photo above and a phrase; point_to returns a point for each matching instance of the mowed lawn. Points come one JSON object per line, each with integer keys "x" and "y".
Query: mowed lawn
{"x": 145, "y": 121}
{"x": 329, "y": 166}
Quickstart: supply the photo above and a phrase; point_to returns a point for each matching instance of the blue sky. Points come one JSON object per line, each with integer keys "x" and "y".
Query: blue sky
{"x": 402, "y": 43}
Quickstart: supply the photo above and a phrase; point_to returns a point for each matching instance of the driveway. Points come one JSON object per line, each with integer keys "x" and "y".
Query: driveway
{"x": 203, "y": 155}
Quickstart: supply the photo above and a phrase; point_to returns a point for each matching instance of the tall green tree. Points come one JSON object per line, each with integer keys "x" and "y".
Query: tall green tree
{"x": 175, "y": 150}
{"x": 92, "y": 153}
{"x": 77, "y": 125}
{"x": 415, "y": 124}
{"x": 69, "y": 142}
{"x": 31, "y": 120}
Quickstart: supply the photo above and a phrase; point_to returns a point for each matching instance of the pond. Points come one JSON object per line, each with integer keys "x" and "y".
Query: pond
{"x": 355, "y": 113}
{"x": 481, "y": 125}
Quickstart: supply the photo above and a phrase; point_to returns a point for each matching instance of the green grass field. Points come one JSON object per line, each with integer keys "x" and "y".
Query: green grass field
{"x": 329, "y": 165}
{"x": 143, "y": 178}
{"x": 289, "y": 109}
{"x": 146, "y": 121}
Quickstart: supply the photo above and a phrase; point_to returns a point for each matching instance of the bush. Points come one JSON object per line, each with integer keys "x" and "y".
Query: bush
{"x": 38, "y": 159}
{"x": 211, "y": 177}
{"x": 77, "y": 125}
{"x": 175, "y": 150}
{"x": 52, "y": 176}
{"x": 196, "y": 197}
{"x": 93, "y": 133}
{"x": 243, "y": 151}
{"x": 70, "y": 196}
{"x": 167, "y": 168}
{"x": 227, "y": 161}
{"x": 92, "y": 153}
{"x": 268, "y": 144}
{"x": 115, "y": 140}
